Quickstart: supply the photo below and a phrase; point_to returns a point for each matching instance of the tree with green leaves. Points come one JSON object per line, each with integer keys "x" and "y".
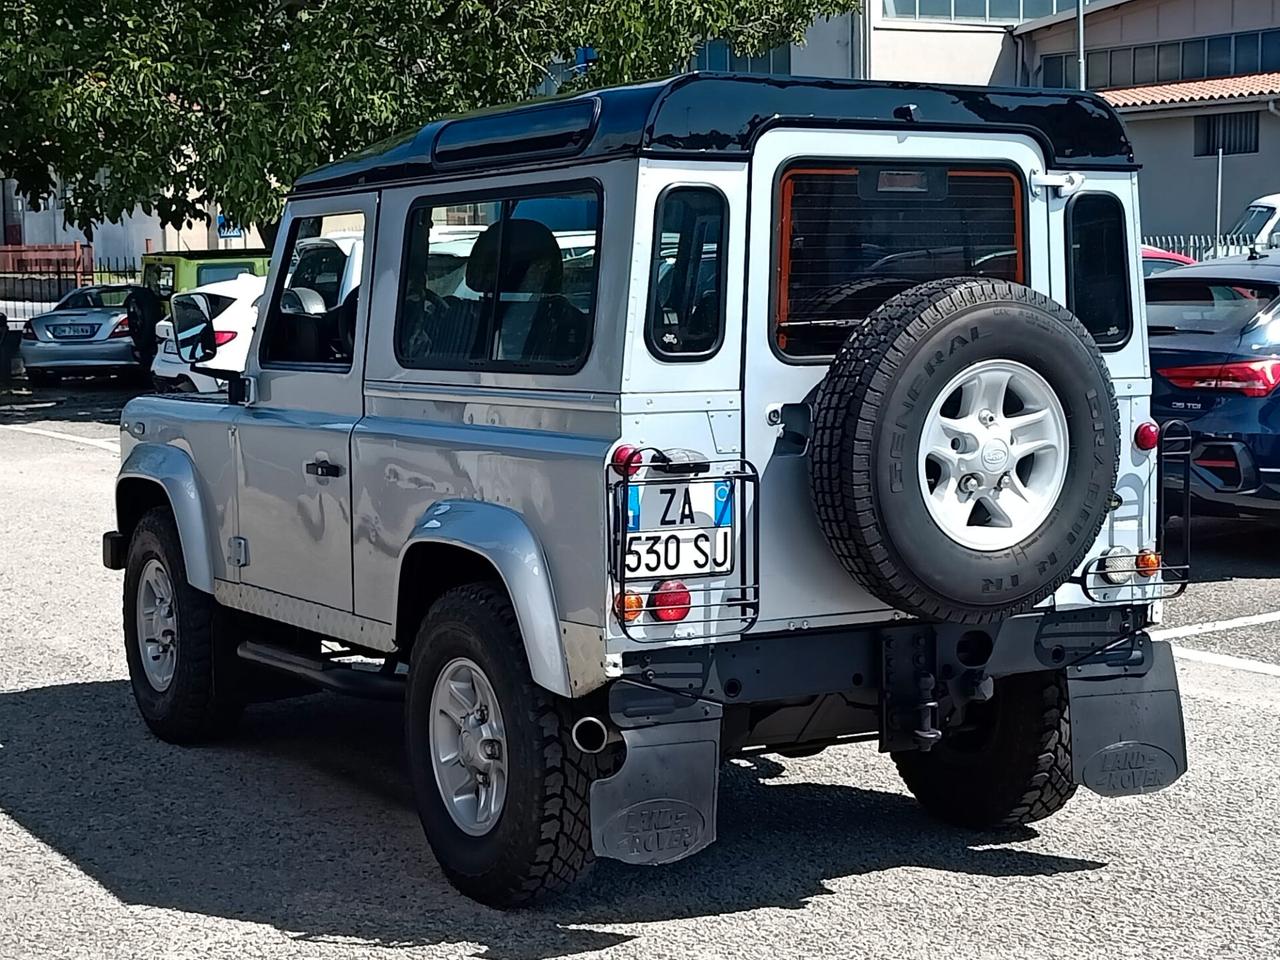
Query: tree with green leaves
{"x": 175, "y": 105}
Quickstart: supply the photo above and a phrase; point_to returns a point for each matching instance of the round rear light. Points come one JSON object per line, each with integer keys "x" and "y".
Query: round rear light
{"x": 627, "y": 459}
{"x": 628, "y": 606}
{"x": 1148, "y": 563}
{"x": 1117, "y": 566}
{"x": 1147, "y": 436}
{"x": 670, "y": 601}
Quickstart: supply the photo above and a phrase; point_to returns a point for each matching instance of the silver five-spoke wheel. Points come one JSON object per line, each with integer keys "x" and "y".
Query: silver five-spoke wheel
{"x": 993, "y": 457}
{"x": 157, "y": 625}
{"x": 468, "y": 746}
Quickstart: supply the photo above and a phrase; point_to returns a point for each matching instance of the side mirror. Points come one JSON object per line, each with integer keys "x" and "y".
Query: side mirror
{"x": 193, "y": 327}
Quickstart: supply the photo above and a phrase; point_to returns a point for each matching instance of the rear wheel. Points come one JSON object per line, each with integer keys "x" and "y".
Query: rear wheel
{"x": 1010, "y": 766}
{"x": 183, "y": 681}
{"x": 502, "y": 792}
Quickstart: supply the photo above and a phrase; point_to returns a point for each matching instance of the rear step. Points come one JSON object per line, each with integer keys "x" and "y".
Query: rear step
{"x": 344, "y": 678}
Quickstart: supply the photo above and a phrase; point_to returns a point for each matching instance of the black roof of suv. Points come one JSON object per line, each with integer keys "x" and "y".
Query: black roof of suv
{"x": 719, "y": 116}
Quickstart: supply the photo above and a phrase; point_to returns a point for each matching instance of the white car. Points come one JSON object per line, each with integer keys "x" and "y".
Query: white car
{"x": 233, "y": 307}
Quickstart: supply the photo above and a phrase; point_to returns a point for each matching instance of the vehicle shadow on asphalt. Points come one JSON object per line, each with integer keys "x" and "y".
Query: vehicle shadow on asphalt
{"x": 86, "y": 400}
{"x": 1225, "y": 549}
{"x": 305, "y": 821}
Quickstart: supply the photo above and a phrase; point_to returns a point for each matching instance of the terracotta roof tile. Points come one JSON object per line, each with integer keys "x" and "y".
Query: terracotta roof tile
{"x": 1194, "y": 91}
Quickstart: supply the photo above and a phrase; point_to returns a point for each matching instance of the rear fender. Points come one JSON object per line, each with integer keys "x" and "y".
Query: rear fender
{"x": 501, "y": 537}
{"x": 171, "y": 469}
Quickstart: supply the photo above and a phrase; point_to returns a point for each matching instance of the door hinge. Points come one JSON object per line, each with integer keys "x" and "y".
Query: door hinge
{"x": 1065, "y": 183}
{"x": 238, "y": 552}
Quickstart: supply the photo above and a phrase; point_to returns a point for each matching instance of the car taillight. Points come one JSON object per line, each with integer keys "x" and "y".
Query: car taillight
{"x": 121, "y": 329}
{"x": 670, "y": 601}
{"x": 1147, "y": 436}
{"x": 223, "y": 336}
{"x": 1253, "y": 378}
{"x": 28, "y": 331}
{"x": 1148, "y": 563}
{"x": 628, "y": 606}
{"x": 627, "y": 459}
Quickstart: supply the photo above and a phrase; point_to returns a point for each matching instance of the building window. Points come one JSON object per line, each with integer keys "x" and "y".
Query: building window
{"x": 990, "y": 11}
{"x": 715, "y": 55}
{"x": 1228, "y": 132}
{"x": 1221, "y": 56}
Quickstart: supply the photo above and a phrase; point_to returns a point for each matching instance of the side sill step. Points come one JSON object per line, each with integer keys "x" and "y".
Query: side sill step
{"x": 340, "y": 677}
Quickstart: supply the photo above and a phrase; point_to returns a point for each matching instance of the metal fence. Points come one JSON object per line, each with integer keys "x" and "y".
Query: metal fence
{"x": 35, "y": 277}
{"x": 1202, "y": 246}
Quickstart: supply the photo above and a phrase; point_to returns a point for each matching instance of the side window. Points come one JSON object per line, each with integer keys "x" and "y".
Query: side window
{"x": 500, "y": 284}
{"x": 852, "y": 237}
{"x": 158, "y": 277}
{"x": 1098, "y": 266}
{"x": 686, "y": 299}
{"x": 312, "y": 318}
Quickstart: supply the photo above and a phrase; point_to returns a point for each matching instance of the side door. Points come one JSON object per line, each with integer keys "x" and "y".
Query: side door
{"x": 847, "y": 219}
{"x": 293, "y": 440}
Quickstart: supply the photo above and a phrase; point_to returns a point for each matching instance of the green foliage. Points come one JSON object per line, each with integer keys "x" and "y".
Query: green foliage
{"x": 175, "y": 103}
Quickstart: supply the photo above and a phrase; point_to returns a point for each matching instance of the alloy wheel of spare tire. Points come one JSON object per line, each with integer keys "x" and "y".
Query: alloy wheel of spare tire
{"x": 965, "y": 446}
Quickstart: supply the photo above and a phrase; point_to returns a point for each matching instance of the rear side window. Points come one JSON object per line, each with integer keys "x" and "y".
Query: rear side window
{"x": 1098, "y": 267}
{"x": 500, "y": 284}
{"x": 852, "y": 237}
{"x": 686, "y": 301}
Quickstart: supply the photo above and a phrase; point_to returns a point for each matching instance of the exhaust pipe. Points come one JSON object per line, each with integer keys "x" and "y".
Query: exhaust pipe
{"x": 591, "y": 734}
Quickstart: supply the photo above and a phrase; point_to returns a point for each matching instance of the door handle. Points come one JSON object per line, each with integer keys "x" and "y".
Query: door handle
{"x": 323, "y": 468}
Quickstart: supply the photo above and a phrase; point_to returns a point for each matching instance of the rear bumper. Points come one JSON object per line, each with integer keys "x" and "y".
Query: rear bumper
{"x": 682, "y": 708}
{"x": 1228, "y": 475}
{"x": 93, "y": 354}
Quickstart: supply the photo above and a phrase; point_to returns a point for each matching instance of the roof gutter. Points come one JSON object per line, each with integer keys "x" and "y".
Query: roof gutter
{"x": 1198, "y": 106}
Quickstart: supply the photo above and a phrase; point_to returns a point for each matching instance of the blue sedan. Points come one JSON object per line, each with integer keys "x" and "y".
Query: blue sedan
{"x": 1214, "y": 332}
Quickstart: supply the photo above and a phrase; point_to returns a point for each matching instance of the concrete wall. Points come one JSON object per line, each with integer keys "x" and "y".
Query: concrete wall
{"x": 943, "y": 52}
{"x": 1151, "y": 21}
{"x": 1178, "y": 189}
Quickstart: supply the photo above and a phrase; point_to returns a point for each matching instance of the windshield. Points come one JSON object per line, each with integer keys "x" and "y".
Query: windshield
{"x": 1205, "y": 306}
{"x": 1252, "y": 220}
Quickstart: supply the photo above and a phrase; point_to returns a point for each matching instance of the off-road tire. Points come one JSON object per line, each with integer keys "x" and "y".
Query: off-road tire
{"x": 541, "y": 843}
{"x": 203, "y": 701}
{"x": 862, "y": 465}
{"x": 1015, "y": 771}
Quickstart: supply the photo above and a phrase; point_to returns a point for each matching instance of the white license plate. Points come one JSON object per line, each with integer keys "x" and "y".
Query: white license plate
{"x": 680, "y": 529}
{"x": 73, "y": 330}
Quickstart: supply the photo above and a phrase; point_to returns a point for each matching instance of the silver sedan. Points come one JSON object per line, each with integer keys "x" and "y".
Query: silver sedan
{"x": 86, "y": 332}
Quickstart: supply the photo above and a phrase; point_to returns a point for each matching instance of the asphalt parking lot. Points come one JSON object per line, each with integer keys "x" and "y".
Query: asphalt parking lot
{"x": 298, "y": 838}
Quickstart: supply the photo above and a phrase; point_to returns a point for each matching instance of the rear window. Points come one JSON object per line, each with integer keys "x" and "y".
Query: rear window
{"x": 1205, "y": 306}
{"x": 851, "y": 237}
{"x": 214, "y": 272}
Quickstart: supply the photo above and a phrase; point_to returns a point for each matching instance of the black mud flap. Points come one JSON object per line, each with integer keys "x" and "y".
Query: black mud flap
{"x": 1127, "y": 735}
{"x": 661, "y": 805}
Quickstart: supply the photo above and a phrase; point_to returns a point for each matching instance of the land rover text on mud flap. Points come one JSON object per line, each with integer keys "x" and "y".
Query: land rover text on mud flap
{"x": 674, "y": 421}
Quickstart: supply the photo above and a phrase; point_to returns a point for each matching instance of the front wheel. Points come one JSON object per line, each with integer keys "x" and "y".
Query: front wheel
{"x": 502, "y": 793}
{"x": 182, "y": 682}
{"x": 1011, "y": 763}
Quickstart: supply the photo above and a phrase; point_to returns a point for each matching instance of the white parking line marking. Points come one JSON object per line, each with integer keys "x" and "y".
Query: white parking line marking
{"x": 111, "y": 446}
{"x": 1222, "y": 660}
{"x": 1214, "y": 626}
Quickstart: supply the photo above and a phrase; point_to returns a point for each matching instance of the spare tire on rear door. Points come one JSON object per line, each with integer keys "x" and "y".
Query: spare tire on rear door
{"x": 965, "y": 447}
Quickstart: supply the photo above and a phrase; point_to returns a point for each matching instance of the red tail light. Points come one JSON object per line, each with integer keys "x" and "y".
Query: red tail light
{"x": 670, "y": 601}
{"x": 223, "y": 336}
{"x": 627, "y": 459}
{"x": 1147, "y": 436}
{"x": 1253, "y": 378}
{"x": 121, "y": 330}
{"x": 28, "y": 331}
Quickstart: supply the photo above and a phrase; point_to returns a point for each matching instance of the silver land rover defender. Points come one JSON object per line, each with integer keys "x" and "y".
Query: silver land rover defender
{"x": 672, "y": 421}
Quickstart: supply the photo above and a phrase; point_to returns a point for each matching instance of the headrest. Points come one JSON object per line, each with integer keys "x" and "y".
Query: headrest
{"x": 532, "y": 263}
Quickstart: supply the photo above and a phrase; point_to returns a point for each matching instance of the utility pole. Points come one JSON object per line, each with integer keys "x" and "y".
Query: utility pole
{"x": 1080, "y": 43}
